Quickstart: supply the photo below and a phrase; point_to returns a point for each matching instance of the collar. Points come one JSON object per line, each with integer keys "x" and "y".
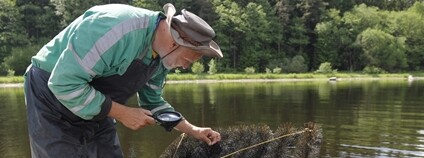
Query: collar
{"x": 154, "y": 54}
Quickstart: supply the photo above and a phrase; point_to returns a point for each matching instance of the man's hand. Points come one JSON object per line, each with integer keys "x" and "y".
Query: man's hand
{"x": 133, "y": 118}
{"x": 205, "y": 134}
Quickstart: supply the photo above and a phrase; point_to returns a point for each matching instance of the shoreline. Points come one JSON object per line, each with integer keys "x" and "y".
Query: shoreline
{"x": 14, "y": 85}
{"x": 292, "y": 80}
{"x": 11, "y": 85}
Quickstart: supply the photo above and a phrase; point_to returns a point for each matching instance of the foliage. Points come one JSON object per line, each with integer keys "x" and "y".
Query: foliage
{"x": 239, "y": 24}
{"x": 177, "y": 71}
{"x": 294, "y": 65}
{"x": 333, "y": 42}
{"x": 39, "y": 18}
{"x": 249, "y": 70}
{"x": 383, "y": 50}
{"x": 3, "y": 70}
{"x": 71, "y": 9}
{"x": 298, "y": 20}
{"x": 349, "y": 43}
{"x": 267, "y": 70}
{"x": 12, "y": 32}
{"x": 296, "y": 36}
{"x": 212, "y": 67}
{"x": 276, "y": 70}
{"x": 290, "y": 76}
{"x": 20, "y": 59}
{"x": 409, "y": 24}
{"x": 373, "y": 70}
{"x": 298, "y": 64}
{"x": 325, "y": 68}
{"x": 197, "y": 68}
{"x": 12, "y": 79}
{"x": 148, "y": 4}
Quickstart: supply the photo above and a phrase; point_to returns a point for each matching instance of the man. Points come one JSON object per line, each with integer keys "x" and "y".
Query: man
{"x": 79, "y": 82}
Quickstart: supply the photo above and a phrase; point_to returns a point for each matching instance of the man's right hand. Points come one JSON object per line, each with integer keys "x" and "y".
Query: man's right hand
{"x": 133, "y": 118}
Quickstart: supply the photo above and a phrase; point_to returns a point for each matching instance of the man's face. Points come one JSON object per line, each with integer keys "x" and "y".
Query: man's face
{"x": 181, "y": 57}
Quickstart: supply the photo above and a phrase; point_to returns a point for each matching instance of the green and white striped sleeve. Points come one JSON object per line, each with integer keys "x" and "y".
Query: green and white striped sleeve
{"x": 102, "y": 44}
{"x": 150, "y": 96}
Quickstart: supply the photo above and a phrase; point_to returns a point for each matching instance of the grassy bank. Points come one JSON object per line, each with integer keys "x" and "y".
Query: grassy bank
{"x": 178, "y": 77}
{"x": 181, "y": 77}
{"x": 11, "y": 79}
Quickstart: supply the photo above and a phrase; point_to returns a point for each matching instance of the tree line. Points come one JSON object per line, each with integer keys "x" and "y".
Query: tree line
{"x": 291, "y": 35}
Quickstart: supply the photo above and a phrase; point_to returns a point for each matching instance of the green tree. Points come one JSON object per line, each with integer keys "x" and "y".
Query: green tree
{"x": 256, "y": 28}
{"x": 410, "y": 24}
{"x": 383, "y": 50}
{"x": 312, "y": 11}
{"x": 197, "y": 68}
{"x": 229, "y": 32}
{"x": 325, "y": 68}
{"x": 12, "y": 34}
{"x": 333, "y": 40}
{"x": 298, "y": 39}
{"x": 148, "y": 4}
{"x": 296, "y": 64}
{"x": 69, "y": 10}
{"x": 248, "y": 32}
{"x": 299, "y": 19}
{"x": 354, "y": 22}
{"x": 39, "y": 18}
{"x": 202, "y": 8}
{"x": 392, "y": 5}
{"x": 212, "y": 67}
{"x": 343, "y": 6}
{"x": 20, "y": 58}
{"x": 362, "y": 17}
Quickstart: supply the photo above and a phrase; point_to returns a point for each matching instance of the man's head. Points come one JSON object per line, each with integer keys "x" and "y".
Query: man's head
{"x": 191, "y": 38}
{"x": 191, "y": 31}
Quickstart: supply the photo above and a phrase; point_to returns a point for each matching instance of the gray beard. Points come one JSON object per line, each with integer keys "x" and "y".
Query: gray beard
{"x": 165, "y": 65}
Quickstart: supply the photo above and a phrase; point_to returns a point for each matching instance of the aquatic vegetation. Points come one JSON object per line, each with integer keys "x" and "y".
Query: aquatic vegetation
{"x": 252, "y": 141}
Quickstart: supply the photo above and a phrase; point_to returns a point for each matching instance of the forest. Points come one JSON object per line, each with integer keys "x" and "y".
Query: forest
{"x": 295, "y": 36}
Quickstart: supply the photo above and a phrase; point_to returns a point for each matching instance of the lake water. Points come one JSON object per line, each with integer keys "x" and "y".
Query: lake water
{"x": 368, "y": 118}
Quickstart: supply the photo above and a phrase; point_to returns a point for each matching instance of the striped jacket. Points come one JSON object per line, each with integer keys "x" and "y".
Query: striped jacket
{"x": 100, "y": 43}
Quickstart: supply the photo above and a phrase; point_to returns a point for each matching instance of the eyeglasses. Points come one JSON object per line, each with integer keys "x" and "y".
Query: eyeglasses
{"x": 175, "y": 48}
{"x": 193, "y": 58}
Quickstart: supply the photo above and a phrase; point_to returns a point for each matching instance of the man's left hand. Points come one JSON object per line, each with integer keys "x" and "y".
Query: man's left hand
{"x": 205, "y": 134}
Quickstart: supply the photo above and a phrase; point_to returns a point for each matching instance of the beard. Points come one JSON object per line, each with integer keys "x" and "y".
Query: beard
{"x": 166, "y": 64}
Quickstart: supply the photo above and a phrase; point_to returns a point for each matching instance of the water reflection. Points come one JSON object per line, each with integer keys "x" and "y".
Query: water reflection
{"x": 13, "y": 132}
{"x": 359, "y": 118}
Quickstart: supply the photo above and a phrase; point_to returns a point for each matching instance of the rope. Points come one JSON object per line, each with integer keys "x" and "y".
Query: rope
{"x": 255, "y": 145}
{"x": 179, "y": 143}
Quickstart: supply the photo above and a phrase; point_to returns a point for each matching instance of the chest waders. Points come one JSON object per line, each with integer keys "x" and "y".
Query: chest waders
{"x": 56, "y": 132}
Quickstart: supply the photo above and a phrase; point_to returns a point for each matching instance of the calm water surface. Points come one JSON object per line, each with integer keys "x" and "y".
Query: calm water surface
{"x": 358, "y": 118}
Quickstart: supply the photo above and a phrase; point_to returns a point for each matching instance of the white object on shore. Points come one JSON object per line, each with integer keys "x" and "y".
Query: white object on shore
{"x": 333, "y": 79}
{"x": 410, "y": 78}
